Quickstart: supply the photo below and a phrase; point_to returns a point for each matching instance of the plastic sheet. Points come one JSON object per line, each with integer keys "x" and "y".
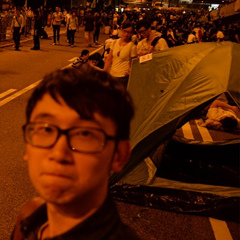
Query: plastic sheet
{"x": 188, "y": 202}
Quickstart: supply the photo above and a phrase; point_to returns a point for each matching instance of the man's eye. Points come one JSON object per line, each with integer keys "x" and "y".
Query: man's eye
{"x": 42, "y": 130}
{"x": 84, "y": 133}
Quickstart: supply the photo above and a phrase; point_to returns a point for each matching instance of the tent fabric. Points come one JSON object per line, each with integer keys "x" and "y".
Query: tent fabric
{"x": 167, "y": 89}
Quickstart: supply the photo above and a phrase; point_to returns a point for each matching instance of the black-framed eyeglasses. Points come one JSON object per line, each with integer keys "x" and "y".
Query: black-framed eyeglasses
{"x": 80, "y": 139}
{"x": 142, "y": 31}
{"x": 127, "y": 32}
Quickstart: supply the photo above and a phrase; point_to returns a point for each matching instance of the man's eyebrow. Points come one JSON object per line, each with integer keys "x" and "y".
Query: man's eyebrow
{"x": 43, "y": 115}
{"x": 80, "y": 120}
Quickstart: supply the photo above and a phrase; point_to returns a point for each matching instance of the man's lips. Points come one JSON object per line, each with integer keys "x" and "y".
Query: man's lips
{"x": 56, "y": 174}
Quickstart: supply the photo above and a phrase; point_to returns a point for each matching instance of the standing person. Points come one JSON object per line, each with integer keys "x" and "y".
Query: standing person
{"x": 17, "y": 28}
{"x": 150, "y": 42}
{"x": 89, "y": 28}
{"x": 72, "y": 26}
{"x": 97, "y": 26}
{"x": 30, "y": 17}
{"x": 81, "y": 13}
{"x": 66, "y": 20}
{"x": 57, "y": 18}
{"x": 122, "y": 51}
{"x": 37, "y": 30}
{"x": 73, "y": 142}
{"x": 115, "y": 18}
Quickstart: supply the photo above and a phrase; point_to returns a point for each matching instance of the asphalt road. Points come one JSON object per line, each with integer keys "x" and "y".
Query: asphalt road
{"x": 19, "y": 73}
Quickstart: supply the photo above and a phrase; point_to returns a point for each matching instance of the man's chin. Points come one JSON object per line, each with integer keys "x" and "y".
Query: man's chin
{"x": 54, "y": 193}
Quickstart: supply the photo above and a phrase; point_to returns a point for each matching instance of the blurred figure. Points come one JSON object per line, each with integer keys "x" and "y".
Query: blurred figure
{"x": 37, "y": 30}
{"x": 72, "y": 26}
{"x": 97, "y": 26}
{"x": 96, "y": 60}
{"x": 192, "y": 37}
{"x": 82, "y": 59}
{"x": 17, "y": 28}
{"x": 150, "y": 42}
{"x": 89, "y": 28}
{"x": 57, "y": 18}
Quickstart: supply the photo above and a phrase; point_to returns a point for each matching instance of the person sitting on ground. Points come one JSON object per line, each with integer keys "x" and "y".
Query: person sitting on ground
{"x": 100, "y": 60}
{"x": 221, "y": 116}
{"x": 96, "y": 60}
{"x": 93, "y": 60}
{"x": 82, "y": 59}
{"x": 76, "y": 133}
{"x": 220, "y": 35}
{"x": 192, "y": 37}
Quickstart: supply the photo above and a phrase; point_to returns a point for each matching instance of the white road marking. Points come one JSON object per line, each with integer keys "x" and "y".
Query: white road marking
{"x": 17, "y": 94}
{"x": 187, "y": 131}
{"x": 73, "y": 59}
{"x": 220, "y": 229}
{"x": 98, "y": 49}
{"x": 204, "y": 133}
{"x": 26, "y": 89}
{"x": 9, "y": 91}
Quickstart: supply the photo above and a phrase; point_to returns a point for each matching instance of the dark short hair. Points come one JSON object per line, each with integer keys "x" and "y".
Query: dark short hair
{"x": 229, "y": 124}
{"x": 94, "y": 57}
{"x": 84, "y": 52}
{"x": 88, "y": 91}
{"x": 127, "y": 24}
{"x": 143, "y": 23}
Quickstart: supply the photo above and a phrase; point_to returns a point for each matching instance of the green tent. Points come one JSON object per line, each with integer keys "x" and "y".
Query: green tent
{"x": 167, "y": 90}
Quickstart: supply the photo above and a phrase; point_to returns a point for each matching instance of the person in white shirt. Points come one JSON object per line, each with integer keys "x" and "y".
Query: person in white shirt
{"x": 192, "y": 37}
{"x": 220, "y": 36}
{"x": 17, "y": 28}
{"x": 150, "y": 42}
{"x": 72, "y": 26}
{"x": 222, "y": 116}
{"x": 122, "y": 51}
{"x": 56, "y": 23}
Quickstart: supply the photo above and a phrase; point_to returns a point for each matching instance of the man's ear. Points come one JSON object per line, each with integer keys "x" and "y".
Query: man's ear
{"x": 121, "y": 155}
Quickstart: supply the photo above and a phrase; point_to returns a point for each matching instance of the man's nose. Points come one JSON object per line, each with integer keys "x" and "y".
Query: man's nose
{"x": 61, "y": 151}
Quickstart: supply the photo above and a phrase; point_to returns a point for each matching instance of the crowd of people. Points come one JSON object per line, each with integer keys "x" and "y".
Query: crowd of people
{"x": 131, "y": 33}
{"x": 176, "y": 26}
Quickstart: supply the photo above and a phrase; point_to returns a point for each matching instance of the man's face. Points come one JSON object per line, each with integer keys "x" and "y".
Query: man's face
{"x": 93, "y": 62}
{"x": 84, "y": 57}
{"x": 63, "y": 176}
{"x": 144, "y": 32}
{"x": 127, "y": 33}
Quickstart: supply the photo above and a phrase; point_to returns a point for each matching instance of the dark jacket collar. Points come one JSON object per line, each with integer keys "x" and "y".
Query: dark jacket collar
{"x": 97, "y": 226}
